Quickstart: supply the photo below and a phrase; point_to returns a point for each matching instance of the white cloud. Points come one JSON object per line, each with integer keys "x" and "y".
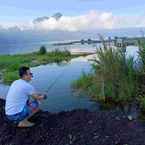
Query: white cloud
{"x": 92, "y": 20}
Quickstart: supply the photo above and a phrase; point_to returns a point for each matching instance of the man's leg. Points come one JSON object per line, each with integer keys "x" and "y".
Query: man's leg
{"x": 25, "y": 122}
{"x": 33, "y": 108}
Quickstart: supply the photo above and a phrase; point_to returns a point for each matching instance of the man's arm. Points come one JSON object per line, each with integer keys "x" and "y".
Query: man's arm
{"x": 36, "y": 95}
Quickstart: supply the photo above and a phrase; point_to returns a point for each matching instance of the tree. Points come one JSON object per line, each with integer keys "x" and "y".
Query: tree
{"x": 42, "y": 50}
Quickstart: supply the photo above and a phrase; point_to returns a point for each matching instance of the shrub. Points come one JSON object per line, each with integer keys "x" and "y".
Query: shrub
{"x": 42, "y": 50}
{"x": 114, "y": 76}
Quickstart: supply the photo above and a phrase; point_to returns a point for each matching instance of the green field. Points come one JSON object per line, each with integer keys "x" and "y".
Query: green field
{"x": 10, "y": 64}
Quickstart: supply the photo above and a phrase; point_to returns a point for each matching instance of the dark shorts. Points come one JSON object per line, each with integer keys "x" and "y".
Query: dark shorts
{"x": 29, "y": 108}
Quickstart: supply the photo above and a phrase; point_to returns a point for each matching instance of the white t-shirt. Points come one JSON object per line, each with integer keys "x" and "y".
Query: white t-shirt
{"x": 17, "y": 96}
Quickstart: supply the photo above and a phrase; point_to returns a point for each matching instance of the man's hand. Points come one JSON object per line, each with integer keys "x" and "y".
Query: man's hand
{"x": 39, "y": 96}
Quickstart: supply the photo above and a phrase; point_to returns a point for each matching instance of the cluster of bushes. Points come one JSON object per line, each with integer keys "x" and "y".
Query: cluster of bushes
{"x": 115, "y": 77}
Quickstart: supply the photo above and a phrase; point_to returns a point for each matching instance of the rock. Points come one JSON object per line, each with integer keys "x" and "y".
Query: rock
{"x": 117, "y": 118}
{"x": 130, "y": 117}
{"x": 70, "y": 139}
{"x": 95, "y": 137}
{"x": 90, "y": 122}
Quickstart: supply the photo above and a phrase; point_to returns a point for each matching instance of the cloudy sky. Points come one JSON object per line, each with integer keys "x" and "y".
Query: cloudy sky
{"x": 77, "y": 14}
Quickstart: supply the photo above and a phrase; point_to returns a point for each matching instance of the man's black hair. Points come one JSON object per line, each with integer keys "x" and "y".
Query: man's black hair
{"x": 23, "y": 71}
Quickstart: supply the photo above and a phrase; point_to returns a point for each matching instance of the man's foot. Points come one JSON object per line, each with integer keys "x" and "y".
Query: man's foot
{"x": 25, "y": 123}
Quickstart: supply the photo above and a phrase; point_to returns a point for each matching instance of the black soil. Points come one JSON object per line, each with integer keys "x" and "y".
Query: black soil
{"x": 78, "y": 127}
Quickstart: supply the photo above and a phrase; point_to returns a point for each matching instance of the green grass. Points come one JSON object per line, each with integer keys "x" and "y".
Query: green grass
{"x": 87, "y": 83}
{"x": 10, "y": 64}
{"x": 83, "y": 82}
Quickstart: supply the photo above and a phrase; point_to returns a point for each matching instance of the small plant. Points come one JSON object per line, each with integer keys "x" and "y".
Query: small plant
{"x": 42, "y": 50}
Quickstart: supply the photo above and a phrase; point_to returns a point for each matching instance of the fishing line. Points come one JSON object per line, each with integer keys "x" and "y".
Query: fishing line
{"x": 54, "y": 82}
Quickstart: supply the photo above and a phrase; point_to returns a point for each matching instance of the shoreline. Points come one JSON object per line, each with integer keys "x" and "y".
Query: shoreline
{"x": 11, "y": 64}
